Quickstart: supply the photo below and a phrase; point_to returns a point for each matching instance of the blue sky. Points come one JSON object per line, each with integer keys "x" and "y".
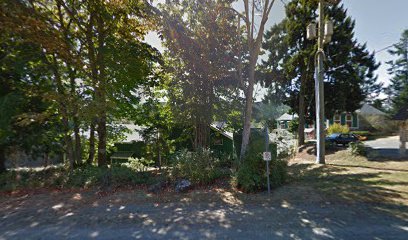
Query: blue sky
{"x": 379, "y": 23}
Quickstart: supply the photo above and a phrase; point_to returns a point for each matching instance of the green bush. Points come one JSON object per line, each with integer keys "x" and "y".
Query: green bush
{"x": 293, "y": 126}
{"x": 199, "y": 167}
{"x": 138, "y": 164}
{"x": 338, "y": 128}
{"x": 251, "y": 175}
{"x": 357, "y": 149}
{"x": 85, "y": 177}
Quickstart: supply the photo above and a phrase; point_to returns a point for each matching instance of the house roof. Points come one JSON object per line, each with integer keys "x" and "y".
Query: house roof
{"x": 367, "y": 109}
{"x": 219, "y": 127}
{"x": 133, "y": 134}
{"x": 402, "y": 114}
{"x": 287, "y": 117}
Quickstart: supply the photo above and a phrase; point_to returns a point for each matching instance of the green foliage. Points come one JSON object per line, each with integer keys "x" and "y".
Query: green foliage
{"x": 138, "y": 164}
{"x": 350, "y": 67}
{"x": 251, "y": 175}
{"x": 85, "y": 177}
{"x": 398, "y": 69}
{"x": 338, "y": 128}
{"x": 357, "y": 149}
{"x": 200, "y": 167}
{"x": 202, "y": 42}
{"x": 293, "y": 126}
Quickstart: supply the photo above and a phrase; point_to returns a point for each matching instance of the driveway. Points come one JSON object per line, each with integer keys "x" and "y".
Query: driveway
{"x": 387, "y": 147}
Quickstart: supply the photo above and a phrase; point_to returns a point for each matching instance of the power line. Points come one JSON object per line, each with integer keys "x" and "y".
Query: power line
{"x": 383, "y": 49}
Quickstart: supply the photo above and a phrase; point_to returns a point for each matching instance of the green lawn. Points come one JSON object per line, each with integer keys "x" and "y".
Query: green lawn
{"x": 353, "y": 179}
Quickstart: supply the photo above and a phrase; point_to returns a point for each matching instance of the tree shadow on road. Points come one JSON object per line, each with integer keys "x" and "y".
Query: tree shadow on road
{"x": 320, "y": 202}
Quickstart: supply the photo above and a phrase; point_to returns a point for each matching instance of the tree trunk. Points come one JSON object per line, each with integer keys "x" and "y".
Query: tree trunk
{"x": 69, "y": 149}
{"x": 64, "y": 113}
{"x": 102, "y": 140}
{"x": 2, "y": 159}
{"x": 77, "y": 138}
{"x": 91, "y": 156}
{"x": 46, "y": 159}
{"x": 248, "y": 110}
{"x": 158, "y": 150}
{"x": 301, "y": 127}
{"x": 201, "y": 135}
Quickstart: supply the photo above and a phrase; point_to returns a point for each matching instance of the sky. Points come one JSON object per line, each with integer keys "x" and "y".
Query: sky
{"x": 379, "y": 24}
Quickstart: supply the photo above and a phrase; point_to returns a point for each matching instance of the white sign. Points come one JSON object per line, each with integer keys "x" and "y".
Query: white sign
{"x": 267, "y": 156}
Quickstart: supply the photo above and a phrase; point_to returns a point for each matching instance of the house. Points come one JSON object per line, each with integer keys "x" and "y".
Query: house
{"x": 221, "y": 140}
{"x": 358, "y": 120}
{"x": 283, "y": 121}
{"x": 133, "y": 144}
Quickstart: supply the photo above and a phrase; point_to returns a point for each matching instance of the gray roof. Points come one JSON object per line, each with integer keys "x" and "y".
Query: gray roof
{"x": 287, "y": 117}
{"x": 219, "y": 127}
{"x": 367, "y": 109}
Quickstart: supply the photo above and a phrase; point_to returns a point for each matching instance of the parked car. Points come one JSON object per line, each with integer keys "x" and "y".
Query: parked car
{"x": 342, "y": 138}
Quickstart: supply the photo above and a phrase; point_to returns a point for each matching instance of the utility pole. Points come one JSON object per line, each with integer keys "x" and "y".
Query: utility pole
{"x": 324, "y": 35}
{"x": 319, "y": 90}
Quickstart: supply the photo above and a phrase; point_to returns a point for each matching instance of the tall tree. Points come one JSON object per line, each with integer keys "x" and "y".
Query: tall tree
{"x": 201, "y": 38}
{"x": 350, "y": 75}
{"x": 398, "y": 69}
{"x": 95, "y": 50}
{"x": 254, "y": 38}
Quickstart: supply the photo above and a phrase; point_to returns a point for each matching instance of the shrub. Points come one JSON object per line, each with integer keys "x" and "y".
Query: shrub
{"x": 85, "y": 177}
{"x": 251, "y": 175}
{"x": 199, "y": 167}
{"x": 357, "y": 149}
{"x": 338, "y": 128}
{"x": 293, "y": 126}
{"x": 138, "y": 164}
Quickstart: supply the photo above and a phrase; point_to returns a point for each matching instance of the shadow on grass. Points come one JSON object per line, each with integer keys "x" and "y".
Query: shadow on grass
{"x": 340, "y": 184}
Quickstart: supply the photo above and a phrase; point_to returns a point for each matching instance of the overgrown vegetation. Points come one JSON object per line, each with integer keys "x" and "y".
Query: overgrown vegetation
{"x": 200, "y": 167}
{"x": 338, "y": 128}
{"x": 357, "y": 149}
{"x": 85, "y": 177}
{"x": 251, "y": 174}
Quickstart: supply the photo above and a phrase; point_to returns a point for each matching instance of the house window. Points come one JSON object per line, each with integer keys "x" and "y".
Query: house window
{"x": 282, "y": 125}
{"x": 337, "y": 119}
{"x": 349, "y": 120}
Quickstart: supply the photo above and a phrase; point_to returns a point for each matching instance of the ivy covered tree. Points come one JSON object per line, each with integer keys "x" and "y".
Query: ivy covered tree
{"x": 398, "y": 69}
{"x": 350, "y": 68}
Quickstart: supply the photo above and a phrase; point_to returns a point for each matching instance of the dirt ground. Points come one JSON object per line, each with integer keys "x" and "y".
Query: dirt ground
{"x": 350, "y": 198}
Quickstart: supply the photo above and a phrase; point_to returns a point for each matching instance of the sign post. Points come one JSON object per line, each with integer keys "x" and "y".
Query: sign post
{"x": 267, "y": 156}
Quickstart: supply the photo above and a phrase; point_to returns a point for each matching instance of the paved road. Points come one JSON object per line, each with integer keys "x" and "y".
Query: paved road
{"x": 46, "y": 217}
{"x": 387, "y": 147}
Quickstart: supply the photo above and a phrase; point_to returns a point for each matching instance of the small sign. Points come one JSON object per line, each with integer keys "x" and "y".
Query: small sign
{"x": 267, "y": 156}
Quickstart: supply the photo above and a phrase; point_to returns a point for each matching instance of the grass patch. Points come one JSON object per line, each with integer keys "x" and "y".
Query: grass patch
{"x": 353, "y": 178}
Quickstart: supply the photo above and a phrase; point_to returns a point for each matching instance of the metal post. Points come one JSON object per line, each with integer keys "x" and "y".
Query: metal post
{"x": 267, "y": 162}
{"x": 319, "y": 91}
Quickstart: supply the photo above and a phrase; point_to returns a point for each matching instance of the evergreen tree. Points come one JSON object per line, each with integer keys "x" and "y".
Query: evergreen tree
{"x": 350, "y": 68}
{"x": 398, "y": 88}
